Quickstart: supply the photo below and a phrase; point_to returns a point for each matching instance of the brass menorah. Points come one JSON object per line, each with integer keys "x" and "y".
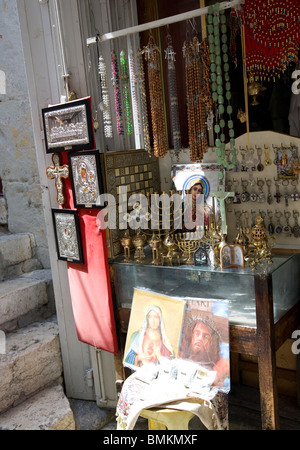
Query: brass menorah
{"x": 188, "y": 243}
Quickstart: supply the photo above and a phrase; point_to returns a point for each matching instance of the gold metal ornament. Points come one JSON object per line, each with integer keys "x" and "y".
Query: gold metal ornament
{"x": 254, "y": 89}
{"x": 260, "y": 245}
{"x": 126, "y": 244}
{"x": 57, "y": 173}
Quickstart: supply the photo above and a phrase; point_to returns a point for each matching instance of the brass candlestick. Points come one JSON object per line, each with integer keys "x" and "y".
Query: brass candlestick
{"x": 155, "y": 244}
{"x": 171, "y": 248}
{"x": 126, "y": 244}
{"x": 139, "y": 241}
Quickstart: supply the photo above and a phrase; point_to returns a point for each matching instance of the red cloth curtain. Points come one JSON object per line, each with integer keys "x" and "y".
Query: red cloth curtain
{"x": 90, "y": 282}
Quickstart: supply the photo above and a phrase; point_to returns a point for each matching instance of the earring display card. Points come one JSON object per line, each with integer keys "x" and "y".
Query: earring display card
{"x": 86, "y": 179}
{"x": 69, "y": 126}
{"x": 67, "y": 235}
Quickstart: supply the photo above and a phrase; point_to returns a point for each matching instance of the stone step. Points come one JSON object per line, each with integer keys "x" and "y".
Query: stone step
{"x": 31, "y": 361}
{"x": 47, "y": 410}
{"x": 23, "y": 296}
{"x": 17, "y": 255}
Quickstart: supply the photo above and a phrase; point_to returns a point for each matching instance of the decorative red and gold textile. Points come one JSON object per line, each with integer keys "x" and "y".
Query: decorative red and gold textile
{"x": 90, "y": 282}
{"x": 272, "y": 36}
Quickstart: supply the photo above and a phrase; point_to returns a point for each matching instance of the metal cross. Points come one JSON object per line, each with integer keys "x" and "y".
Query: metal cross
{"x": 277, "y": 196}
{"x": 57, "y": 172}
{"x": 221, "y": 196}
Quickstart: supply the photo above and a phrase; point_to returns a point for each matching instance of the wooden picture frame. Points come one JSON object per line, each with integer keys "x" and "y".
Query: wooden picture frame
{"x": 134, "y": 169}
{"x": 86, "y": 179}
{"x": 232, "y": 256}
{"x": 69, "y": 126}
{"x": 67, "y": 235}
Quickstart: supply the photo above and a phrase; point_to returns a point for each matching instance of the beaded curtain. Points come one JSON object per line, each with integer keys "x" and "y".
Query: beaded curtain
{"x": 272, "y": 35}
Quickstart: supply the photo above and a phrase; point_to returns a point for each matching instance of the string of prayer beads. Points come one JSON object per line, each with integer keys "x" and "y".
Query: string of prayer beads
{"x": 105, "y": 104}
{"x": 126, "y": 93}
{"x": 117, "y": 92}
{"x": 152, "y": 55}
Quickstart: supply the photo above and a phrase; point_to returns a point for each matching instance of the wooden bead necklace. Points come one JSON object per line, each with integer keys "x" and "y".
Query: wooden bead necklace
{"x": 152, "y": 56}
{"x": 196, "y": 99}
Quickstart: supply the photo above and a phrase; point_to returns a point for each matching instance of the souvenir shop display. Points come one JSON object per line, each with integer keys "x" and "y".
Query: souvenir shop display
{"x": 150, "y": 231}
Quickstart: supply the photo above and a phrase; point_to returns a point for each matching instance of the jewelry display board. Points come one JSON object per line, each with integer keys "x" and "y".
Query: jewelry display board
{"x": 134, "y": 169}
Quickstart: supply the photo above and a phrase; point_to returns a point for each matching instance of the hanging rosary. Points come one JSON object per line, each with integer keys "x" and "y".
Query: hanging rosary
{"x": 125, "y": 93}
{"x": 170, "y": 57}
{"x": 195, "y": 104}
{"x": 133, "y": 85}
{"x": 217, "y": 20}
{"x": 105, "y": 103}
{"x": 117, "y": 92}
{"x": 152, "y": 56}
{"x": 144, "y": 109}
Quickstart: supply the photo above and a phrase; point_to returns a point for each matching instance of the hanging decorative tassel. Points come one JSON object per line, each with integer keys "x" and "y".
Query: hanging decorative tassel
{"x": 105, "y": 104}
{"x": 170, "y": 57}
{"x": 133, "y": 85}
{"x": 126, "y": 93}
{"x": 142, "y": 87}
{"x": 117, "y": 92}
{"x": 156, "y": 99}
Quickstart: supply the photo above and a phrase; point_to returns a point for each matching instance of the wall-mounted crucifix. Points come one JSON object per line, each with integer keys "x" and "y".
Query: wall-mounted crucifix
{"x": 221, "y": 196}
{"x": 57, "y": 173}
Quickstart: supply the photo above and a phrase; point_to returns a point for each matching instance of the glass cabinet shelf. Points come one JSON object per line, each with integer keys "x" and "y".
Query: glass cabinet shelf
{"x": 233, "y": 284}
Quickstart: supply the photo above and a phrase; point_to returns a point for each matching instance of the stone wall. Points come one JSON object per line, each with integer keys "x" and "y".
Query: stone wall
{"x": 18, "y": 166}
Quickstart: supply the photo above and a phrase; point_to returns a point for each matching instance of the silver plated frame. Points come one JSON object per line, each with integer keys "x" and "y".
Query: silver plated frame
{"x": 69, "y": 126}
{"x": 86, "y": 179}
{"x": 67, "y": 235}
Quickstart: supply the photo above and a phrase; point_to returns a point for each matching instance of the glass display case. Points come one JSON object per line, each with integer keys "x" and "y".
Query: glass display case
{"x": 234, "y": 284}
